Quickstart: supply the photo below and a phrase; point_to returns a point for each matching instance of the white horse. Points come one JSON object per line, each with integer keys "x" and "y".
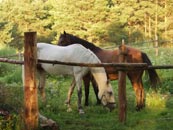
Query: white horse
{"x": 74, "y": 53}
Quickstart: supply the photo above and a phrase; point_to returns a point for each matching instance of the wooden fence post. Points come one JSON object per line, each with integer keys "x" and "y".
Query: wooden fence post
{"x": 30, "y": 90}
{"x": 122, "y": 105}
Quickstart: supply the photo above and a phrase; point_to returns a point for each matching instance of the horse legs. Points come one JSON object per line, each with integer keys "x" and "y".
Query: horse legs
{"x": 79, "y": 93}
{"x": 70, "y": 92}
{"x": 95, "y": 87}
{"x": 136, "y": 80}
{"x": 86, "y": 80}
{"x": 139, "y": 91}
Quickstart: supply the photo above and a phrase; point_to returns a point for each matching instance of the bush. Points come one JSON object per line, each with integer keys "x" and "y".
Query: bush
{"x": 11, "y": 102}
{"x": 12, "y": 123}
{"x": 9, "y": 73}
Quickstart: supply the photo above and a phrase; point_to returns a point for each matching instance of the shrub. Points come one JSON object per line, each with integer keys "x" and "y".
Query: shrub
{"x": 9, "y": 73}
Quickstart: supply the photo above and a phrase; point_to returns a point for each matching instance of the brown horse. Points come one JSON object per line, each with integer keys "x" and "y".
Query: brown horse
{"x": 111, "y": 56}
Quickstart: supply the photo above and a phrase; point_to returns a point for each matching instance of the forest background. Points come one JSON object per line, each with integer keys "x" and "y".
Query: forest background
{"x": 98, "y": 21}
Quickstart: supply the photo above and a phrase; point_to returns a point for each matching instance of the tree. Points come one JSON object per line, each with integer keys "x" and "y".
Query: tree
{"x": 98, "y": 21}
{"x": 25, "y": 16}
{"x": 87, "y": 19}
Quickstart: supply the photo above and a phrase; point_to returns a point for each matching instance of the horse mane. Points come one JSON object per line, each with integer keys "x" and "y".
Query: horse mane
{"x": 86, "y": 44}
{"x": 94, "y": 55}
{"x": 88, "y": 51}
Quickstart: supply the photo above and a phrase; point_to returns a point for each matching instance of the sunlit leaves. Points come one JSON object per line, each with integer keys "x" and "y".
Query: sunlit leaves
{"x": 92, "y": 20}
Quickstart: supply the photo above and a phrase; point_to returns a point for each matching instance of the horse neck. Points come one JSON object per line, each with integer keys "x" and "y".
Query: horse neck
{"x": 100, "y": 76}
{"x": 85, "y": 43}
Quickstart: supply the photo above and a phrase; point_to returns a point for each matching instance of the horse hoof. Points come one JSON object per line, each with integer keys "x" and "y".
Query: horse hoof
{"x": 66, "y": 102}
{"x": 81, "y": 111}
{"x": 139, "y": 108}
{"x": 98, "y": 102}
{"x": 69, "y": 110}
{"x": 86, "y": 104}
{"x": 43, "y": 99}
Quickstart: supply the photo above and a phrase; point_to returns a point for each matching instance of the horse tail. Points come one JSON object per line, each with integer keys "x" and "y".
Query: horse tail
{"x": 154, "y": 78}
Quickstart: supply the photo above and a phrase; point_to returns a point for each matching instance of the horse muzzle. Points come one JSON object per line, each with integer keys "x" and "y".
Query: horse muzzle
{"x": 110, "y": 105}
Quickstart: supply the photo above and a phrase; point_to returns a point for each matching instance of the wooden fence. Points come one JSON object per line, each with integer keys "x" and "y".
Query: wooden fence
{"x": 30, "y": 91}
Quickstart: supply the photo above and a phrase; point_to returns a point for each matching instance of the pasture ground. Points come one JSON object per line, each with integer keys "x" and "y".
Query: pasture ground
{"x": 157, "y": 115}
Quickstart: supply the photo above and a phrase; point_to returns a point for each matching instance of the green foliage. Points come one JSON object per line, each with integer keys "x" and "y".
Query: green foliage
{"x": 12, "y": 76}
{"x": 11, "y": 101}
{"x": 9, "y": 73}
{"x": 117, "y": 37}
{"x": 155, "y": 100}
{"x": 97, "y": 21}
{"x": 13, "y": 123}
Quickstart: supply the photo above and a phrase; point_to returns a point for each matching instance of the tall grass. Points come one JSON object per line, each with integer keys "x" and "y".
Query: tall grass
{"x": 9, "y": 73}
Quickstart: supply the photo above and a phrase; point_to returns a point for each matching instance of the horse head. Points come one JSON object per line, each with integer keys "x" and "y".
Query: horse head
{"x": 64, "y": 39}
{"x": 107, "y": 96}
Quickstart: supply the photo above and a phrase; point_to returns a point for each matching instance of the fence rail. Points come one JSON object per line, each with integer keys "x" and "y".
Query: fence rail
{"x": 11, "y": 61}
{"x": 119, "y": 66}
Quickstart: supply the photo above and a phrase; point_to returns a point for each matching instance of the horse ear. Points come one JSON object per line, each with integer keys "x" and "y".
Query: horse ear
{"x": 64, "y": 32}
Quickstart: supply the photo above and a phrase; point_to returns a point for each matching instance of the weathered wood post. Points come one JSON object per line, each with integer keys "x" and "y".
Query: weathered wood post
{"x": 122, "y": 105}
{"x": 30, "y": 89}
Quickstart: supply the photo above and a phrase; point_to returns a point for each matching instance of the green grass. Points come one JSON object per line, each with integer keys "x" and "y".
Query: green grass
{"x": 157, "y": 115}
